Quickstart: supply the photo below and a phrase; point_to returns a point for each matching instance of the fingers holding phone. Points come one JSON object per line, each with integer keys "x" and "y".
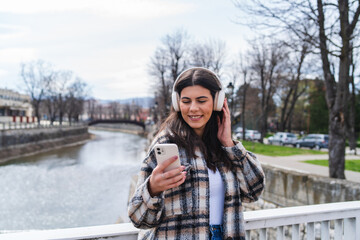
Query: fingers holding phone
{"x": 169, "y": 173}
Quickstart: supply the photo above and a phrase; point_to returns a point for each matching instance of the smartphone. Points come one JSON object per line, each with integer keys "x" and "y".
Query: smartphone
{"x": 165, "y": 151}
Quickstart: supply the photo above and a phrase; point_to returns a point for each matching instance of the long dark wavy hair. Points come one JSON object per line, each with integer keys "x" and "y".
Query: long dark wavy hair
{"x": 179, "y": 132}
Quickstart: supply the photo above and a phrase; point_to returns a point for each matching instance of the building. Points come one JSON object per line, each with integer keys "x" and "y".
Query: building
{"x": 15, "y": 107}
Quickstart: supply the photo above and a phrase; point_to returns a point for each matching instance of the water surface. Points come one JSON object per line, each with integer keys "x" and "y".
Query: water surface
{"x": 78, "y": 186}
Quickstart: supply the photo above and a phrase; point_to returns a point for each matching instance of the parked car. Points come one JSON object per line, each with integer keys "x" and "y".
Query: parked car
{"x": 316, "y": 141}
{"x": 252, "y": 135}
{"x": 283, "y": 138}
{"x": 238, "y": 132}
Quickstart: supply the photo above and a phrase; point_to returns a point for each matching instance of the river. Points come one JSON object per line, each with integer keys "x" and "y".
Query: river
{"x": 84, "y": 185}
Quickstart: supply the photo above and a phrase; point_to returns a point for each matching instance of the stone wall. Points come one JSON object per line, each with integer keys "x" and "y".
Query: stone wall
{"x": 120, "y": 127}
{"x": 16, "y": 143}
{"x": 287, "y": 188}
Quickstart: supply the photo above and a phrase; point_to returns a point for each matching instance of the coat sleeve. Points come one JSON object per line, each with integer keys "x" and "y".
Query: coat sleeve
{"x": 145, "y": 211}
{"x": 249, "y": 172}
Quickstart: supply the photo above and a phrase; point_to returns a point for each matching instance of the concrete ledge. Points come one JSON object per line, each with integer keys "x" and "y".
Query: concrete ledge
{"x": 17, "y": 143}
{"x": 286, "y": 187}
{"x": 119, "y": 127}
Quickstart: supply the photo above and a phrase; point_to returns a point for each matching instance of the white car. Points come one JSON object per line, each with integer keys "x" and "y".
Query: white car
{"x": 283, "y": 138}
{"x": 238, "y": 132}
{"x": 252, "y": 135}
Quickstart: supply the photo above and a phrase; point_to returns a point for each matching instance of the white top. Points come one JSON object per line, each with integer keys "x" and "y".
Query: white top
{"x": 217, "y": 195}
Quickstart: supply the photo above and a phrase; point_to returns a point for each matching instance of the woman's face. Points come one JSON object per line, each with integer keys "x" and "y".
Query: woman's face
{"x": 196, "y": 106}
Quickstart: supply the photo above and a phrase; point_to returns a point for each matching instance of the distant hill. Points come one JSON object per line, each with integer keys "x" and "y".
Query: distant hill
{"x": 145, "y": 102}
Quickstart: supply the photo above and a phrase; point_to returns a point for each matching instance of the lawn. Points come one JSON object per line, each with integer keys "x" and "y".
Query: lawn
{"x": 352, "y": 165}
{"x": 274, "y": 150}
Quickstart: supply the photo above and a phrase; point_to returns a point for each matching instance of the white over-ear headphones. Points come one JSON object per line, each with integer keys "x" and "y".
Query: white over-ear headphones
{"x": 219, "y": 95}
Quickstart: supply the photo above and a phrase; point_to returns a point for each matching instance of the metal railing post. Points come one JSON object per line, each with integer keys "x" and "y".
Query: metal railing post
{"x": 350, "y": 229}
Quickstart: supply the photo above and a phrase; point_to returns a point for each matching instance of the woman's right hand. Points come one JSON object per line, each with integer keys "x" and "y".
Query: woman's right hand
{"x": 161, "y": 181}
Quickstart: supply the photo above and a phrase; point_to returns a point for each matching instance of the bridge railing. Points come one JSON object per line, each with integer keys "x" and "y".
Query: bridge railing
{"x": 343, "y": 216}
{"x": 43, "y": 124}
{"x": 111, "y": 121}
{"x": 341, "y": 220}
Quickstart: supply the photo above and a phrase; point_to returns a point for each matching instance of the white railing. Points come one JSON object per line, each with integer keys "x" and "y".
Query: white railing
{"x": 345, "y": 217}
{"x": 43, "y": 124}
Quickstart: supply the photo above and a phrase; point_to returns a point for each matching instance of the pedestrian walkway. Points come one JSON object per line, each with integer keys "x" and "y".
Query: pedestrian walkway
{"x": 295, "y": 163}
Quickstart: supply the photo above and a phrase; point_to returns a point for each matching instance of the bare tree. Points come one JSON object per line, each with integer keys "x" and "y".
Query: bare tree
{"x": 114, "y": 110}
{"x": 266, "y": 64}
{"x": 127, "y": 111}
{"x": 37, "y": 75}
{"x": 169, "y": 60}
{"x": 55, "y": 94}
{"x": 293, "y": 88}
{"x": 99, "y": 111}
{"x": 91, "y": 108}
{"x": 177, "y": 47}
{"x": 334, "y": 32}
{"x": 211, "y": 54}
{"x": 63, "y": 80}
{"x": 158, "y": 69}
{"x": 251, "y": 108}
{"x": 50, "y": 102}
{"x": 247, "y": 79}
{"x": 75, "y": 98}
{"x": 50, "y": 99}
{"x": 240, "y": 72}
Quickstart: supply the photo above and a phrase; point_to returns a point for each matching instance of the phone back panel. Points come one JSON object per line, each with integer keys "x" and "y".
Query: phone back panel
{"x": 166, "y": 151}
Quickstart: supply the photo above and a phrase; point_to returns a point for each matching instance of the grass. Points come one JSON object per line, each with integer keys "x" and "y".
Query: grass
{"x": 274, "y": 150}
{"x": 352, "y": 165}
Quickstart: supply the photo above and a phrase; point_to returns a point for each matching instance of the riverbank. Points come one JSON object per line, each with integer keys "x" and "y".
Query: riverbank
{"x": 25, "y": 142}
{"x": 120, "y": 127}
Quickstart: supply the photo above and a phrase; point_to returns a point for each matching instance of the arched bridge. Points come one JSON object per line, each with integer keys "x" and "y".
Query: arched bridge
{"x": 93, "y": 122}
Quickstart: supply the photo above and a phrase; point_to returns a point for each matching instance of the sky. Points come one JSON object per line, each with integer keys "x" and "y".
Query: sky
{"x": 107, "y": 43}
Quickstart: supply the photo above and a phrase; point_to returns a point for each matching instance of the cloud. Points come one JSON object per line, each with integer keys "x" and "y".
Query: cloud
{"x": 3, "y": 73}
{"x": 17, "y": 55}
{"x": 12, "y": 31}
{"x": 140, "y": 9}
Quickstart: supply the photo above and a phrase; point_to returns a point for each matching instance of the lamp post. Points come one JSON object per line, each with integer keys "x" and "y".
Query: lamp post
{"x": 155, "y": 119}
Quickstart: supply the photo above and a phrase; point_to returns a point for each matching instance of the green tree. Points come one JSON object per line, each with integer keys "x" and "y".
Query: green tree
{"x": 319, "y": 113}
{"x": 357, "y": 116}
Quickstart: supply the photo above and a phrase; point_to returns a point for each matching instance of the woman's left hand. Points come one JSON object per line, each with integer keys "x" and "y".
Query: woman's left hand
{"x": 224, "y": 127}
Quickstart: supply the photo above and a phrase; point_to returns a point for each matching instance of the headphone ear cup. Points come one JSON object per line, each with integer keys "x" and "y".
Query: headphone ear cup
{"x": 219, "y": 100}
{"x": 175, "y": 101}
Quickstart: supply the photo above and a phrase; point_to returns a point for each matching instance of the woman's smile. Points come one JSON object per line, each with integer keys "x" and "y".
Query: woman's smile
{"x": 195, "y": 117}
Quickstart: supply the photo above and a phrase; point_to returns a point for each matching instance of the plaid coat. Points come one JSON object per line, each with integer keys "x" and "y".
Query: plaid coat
{"x": 183, "y": 212}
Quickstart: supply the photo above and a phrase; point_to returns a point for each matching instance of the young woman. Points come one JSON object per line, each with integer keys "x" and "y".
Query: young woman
{"x": 203, "y": 198}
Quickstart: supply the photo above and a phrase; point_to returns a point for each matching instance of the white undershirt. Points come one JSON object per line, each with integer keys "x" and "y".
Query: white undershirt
{"x": 217, "y": 195}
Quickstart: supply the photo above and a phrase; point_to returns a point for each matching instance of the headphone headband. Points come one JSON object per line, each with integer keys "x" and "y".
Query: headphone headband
{"x": 219, "y": 96}
{"x": 197, "y": 68}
